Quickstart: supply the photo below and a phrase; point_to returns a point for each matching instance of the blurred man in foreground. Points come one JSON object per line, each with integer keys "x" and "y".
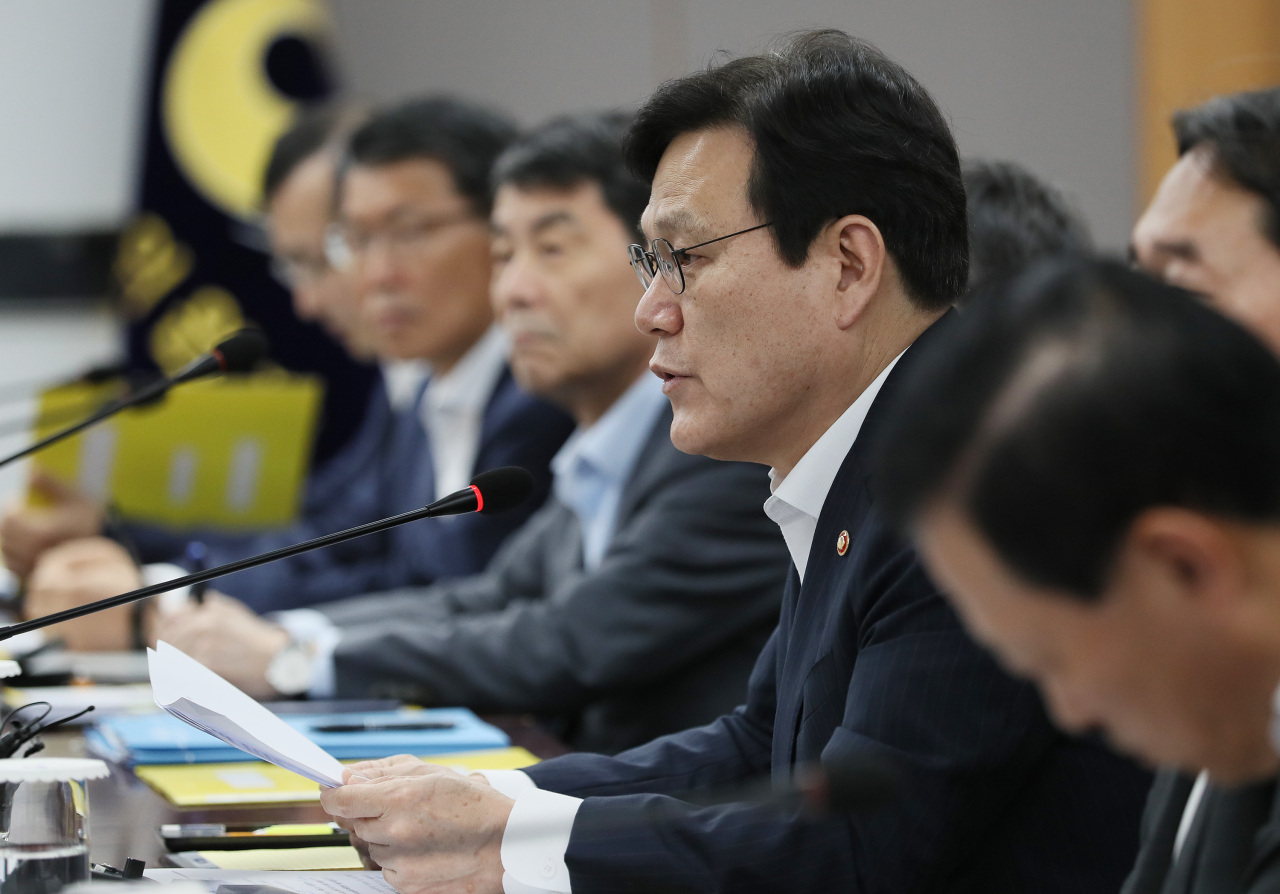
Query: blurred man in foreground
{"x": 635, "y": 602}
{"x": 1095, "y": 485}
{"x": 806, "y": 225}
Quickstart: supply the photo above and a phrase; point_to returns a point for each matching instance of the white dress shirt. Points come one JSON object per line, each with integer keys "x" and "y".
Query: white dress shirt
{"x": 402, "y": 381}
{"x": 797, "y": 499}
{"x": 536, "y": 839}
{"x": 452, "y": 410}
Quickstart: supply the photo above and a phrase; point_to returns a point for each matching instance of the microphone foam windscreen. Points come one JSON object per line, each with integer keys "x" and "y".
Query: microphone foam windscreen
{"x": 504, "y": 488}
{"x": 242, "y": 351}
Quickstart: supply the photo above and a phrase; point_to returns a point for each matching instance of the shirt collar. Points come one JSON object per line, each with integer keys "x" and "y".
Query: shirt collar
{"x": 403, "y": 380}
{"x": 469, "y": 385}
{"x": 807, "y": 486}
{"x": 612, "y": 444}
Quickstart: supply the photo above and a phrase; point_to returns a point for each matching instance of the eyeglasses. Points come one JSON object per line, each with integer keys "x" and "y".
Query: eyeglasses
{"x": 344, "y": 245}
{"x": 667, "y": 261}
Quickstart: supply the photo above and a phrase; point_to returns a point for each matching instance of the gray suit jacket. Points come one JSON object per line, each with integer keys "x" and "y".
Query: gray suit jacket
{"x": 1242, "y": 859}
{"x": 660, "y": 637}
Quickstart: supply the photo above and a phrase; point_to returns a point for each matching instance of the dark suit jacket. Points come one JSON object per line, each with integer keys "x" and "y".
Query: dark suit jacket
{"x": 1154, "y": 873}
{"x": 661, "y": 635}
{"x": 867, "y": 659}
{"x": 385, "y": 471}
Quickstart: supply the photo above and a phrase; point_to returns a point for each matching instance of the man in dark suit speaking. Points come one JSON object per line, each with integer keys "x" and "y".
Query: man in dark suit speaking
{"x": 635, "y": 602}
{"x": 806, "y": 225}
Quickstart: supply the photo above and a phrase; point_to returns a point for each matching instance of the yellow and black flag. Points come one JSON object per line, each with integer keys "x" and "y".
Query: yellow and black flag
{"x": 227, "y": 78}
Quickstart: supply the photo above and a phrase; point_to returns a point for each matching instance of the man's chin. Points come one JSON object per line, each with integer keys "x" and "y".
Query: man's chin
{"x": 693, "y": 436}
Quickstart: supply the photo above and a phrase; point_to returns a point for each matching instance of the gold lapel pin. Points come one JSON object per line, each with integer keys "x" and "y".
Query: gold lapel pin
{"x": 842, "y": 543}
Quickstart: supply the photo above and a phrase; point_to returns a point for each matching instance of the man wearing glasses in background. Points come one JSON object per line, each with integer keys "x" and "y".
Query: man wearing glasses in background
{"x": 807, "y": 225}
{"x": 413, "y": 237}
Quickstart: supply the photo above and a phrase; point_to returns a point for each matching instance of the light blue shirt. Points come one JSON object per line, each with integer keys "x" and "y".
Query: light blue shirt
{"x": 594, "y": 465}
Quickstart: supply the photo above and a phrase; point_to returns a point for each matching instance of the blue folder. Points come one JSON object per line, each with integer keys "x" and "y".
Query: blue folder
{"x": 163, "y": 739}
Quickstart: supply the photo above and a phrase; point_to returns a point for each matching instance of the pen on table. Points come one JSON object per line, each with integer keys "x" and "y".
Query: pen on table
{"x": 197, "y": 558}
{"x": 371, "y": 727}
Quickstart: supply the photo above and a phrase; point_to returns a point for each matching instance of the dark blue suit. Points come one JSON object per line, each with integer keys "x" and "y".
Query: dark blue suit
{"x": 867, "y": 659}
{"x": 387, "y": 470}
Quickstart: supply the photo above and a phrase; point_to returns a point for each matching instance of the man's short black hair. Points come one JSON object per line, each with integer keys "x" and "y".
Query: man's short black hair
{"x": 463, "y": 136}
{"x": 1015, "y": 218}
{"x": 576, "y": 149}
{"x": 838, "y": 128}
{"x": 1241, "y": 133}
{"x": 313, "y": 131}
{"x": 1084, "y": 396}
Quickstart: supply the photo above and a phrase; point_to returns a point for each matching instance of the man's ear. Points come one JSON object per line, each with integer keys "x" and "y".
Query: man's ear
{"x": 1179, "y": 554}
{"x": 858, "y": 247}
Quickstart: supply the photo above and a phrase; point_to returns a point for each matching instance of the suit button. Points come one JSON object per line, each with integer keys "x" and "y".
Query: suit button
{"x": 548, "y": 870}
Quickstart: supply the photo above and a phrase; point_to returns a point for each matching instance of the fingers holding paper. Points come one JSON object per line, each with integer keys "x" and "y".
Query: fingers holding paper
{"x": 439, "y": 832}
{"x": 396, "y": 765}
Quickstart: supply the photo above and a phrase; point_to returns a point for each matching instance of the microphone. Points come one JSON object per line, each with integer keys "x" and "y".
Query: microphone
{"x": 849, "y": 784}
{"x": 236, "y": 354}
{"x": 239, "y": 353}
{"x": 489, "y": 493}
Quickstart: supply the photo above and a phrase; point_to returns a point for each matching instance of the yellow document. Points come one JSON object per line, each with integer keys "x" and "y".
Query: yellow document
{"x": 298, "y": 859}
{"x": 226, "y": 453}
{"x": 257, "y": 782}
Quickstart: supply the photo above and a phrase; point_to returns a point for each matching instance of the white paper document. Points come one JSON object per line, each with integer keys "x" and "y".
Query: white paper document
{"x": 196, "y": 695}
{"x": 295, "y": 882}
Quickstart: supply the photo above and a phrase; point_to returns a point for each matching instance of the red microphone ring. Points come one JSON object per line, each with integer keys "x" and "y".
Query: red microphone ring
{"x": 479, "y": 498}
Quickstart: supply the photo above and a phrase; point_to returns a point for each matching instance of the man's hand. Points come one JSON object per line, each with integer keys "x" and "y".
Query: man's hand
{"x": 28, "y": 531}
{"x": 437, "y": 831}
{"x": 396, "y": 765}
{"x": 78, "y": 572}
{"x": 226, "y": 636}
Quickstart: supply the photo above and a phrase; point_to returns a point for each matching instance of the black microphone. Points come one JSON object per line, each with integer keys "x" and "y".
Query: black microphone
{"x": 239, "y": 353}
{"x": 848, "y": 784}
{"x": 490, "y": 492}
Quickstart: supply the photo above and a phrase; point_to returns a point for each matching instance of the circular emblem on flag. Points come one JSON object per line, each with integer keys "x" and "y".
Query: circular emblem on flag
{"x": 842, "y": 543}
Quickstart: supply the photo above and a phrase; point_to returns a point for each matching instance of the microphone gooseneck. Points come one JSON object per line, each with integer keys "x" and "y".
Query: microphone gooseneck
{"x": 506, "y": 488}
{"x": 238, "y": 353}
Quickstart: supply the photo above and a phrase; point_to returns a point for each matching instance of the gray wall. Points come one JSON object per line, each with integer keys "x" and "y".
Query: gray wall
{"x": 1047, "y": 82}
{"x": 70, "y": 111}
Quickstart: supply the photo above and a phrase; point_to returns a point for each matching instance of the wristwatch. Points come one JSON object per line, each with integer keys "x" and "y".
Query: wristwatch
{"x": 293, "y": 669}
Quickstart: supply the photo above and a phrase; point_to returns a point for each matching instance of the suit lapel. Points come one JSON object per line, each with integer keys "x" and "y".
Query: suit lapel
{"x": 831, "y": 577}
{"x": 655, "y": 461}
{"x": 1266, "y": 846}
{"x": 1166, "y": 804}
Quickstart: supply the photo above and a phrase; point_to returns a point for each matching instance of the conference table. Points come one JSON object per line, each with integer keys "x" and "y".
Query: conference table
{"x": 125, "y": 814}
